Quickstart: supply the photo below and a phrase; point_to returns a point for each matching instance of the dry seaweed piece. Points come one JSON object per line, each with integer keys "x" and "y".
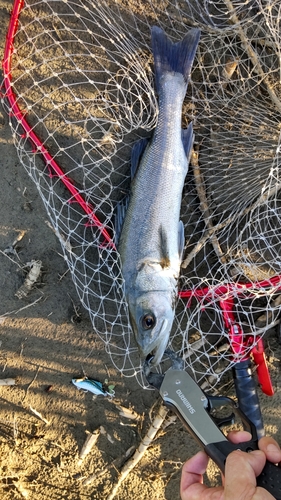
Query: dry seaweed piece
{"x": 31, "y": 278}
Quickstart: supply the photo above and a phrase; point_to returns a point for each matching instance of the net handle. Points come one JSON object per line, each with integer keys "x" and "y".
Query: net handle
{"x": 246, "y": 391}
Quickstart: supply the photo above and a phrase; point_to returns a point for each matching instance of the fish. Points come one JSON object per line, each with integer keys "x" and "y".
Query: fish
{"x": 150, "y": 233}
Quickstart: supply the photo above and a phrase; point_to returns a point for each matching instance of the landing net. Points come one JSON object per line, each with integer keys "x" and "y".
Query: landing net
{"x": 79, "y": 91}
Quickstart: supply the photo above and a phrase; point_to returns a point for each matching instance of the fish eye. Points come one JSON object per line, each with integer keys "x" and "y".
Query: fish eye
{"x": 148, "y": 321}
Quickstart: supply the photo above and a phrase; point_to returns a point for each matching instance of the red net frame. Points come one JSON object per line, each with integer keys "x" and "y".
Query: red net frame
{"x": 34, "y": 139}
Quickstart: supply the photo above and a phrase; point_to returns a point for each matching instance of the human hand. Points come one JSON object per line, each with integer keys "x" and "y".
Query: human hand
{"x": 241, "y": 470}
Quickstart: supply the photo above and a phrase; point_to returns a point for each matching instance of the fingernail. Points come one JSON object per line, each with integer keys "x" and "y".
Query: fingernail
{"x": 273, "y": 448}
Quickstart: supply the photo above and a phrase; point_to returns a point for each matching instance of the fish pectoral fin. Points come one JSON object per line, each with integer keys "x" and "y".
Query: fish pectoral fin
{"x": 187, "y": 138}
{"x": 119, "y": 216}
{"x": 181, "y": 241}
{"x": 164, "y": 249}
{"x": 137, "y": 152}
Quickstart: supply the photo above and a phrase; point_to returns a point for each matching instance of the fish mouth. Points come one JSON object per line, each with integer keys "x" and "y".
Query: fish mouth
{"x": 157, "y": 347}
{"x": 157, "y": 355}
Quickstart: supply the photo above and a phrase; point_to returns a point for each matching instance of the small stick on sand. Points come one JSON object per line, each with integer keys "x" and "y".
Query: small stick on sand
{"x": 127, "y": 412}
{"x": 32, "y": 382}
{"x": 140, "y": 451}
{"x": 199, "y": 183}
{"x": 38, "y": 414}
{"x": 95, "y": 476}
{"x": 264, "y": 196}
{"x": 16, "y": 311}
{"x": 91, "y": 440}
{"x": 7, "y": 381}
{"x": 248, "y": 46}
{"x": 11, "y": 249}
{"x": 10, "y": 258}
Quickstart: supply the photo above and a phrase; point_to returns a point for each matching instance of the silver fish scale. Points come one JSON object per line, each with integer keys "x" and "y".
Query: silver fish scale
{"x": 152, "y": 237}
{"x": 156, "y": 193}
{"x": 149, "y": 244}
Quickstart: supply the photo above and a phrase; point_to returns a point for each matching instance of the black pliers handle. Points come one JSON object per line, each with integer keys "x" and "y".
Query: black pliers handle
{"x": 183, "y": 395}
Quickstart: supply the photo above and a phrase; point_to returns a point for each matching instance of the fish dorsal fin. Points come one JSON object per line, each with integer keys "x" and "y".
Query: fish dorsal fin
{"x": 137, "y": 152}
{"x": 122, "y": 206}
{"x": 187, "y": 138}
{"x": 181, "y": 239}
{"x": 164, "y": 249}
{"x": 119, "y": 216}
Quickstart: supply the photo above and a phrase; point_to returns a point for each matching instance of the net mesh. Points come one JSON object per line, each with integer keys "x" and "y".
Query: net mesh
{"x": 82, "y": 75}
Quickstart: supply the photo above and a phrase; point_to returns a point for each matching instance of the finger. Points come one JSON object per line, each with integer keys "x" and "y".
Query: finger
{"x": 271, "y": 449}
{"x": 192, "y": 487}
{"x": 241, "y": 470}
{"x": 193, "y": 470}
{"x": 237, "y": 437}
{"x": 201, "y": 492}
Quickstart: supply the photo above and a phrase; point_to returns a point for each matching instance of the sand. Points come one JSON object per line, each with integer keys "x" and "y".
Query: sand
{"x": 46, "y": 339}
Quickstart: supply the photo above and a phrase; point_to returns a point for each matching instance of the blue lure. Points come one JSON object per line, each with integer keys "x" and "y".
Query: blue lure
{"x": 91, "y": 385}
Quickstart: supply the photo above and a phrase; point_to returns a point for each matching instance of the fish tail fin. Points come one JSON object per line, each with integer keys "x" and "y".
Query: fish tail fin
{"x": 173, "y": 57}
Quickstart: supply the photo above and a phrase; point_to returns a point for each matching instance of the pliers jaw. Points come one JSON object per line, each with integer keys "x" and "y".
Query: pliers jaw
{"x": 156, "y": 379}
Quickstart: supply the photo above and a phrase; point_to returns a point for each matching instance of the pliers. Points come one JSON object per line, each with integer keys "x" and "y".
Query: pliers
{"x": 183, "y": 395}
